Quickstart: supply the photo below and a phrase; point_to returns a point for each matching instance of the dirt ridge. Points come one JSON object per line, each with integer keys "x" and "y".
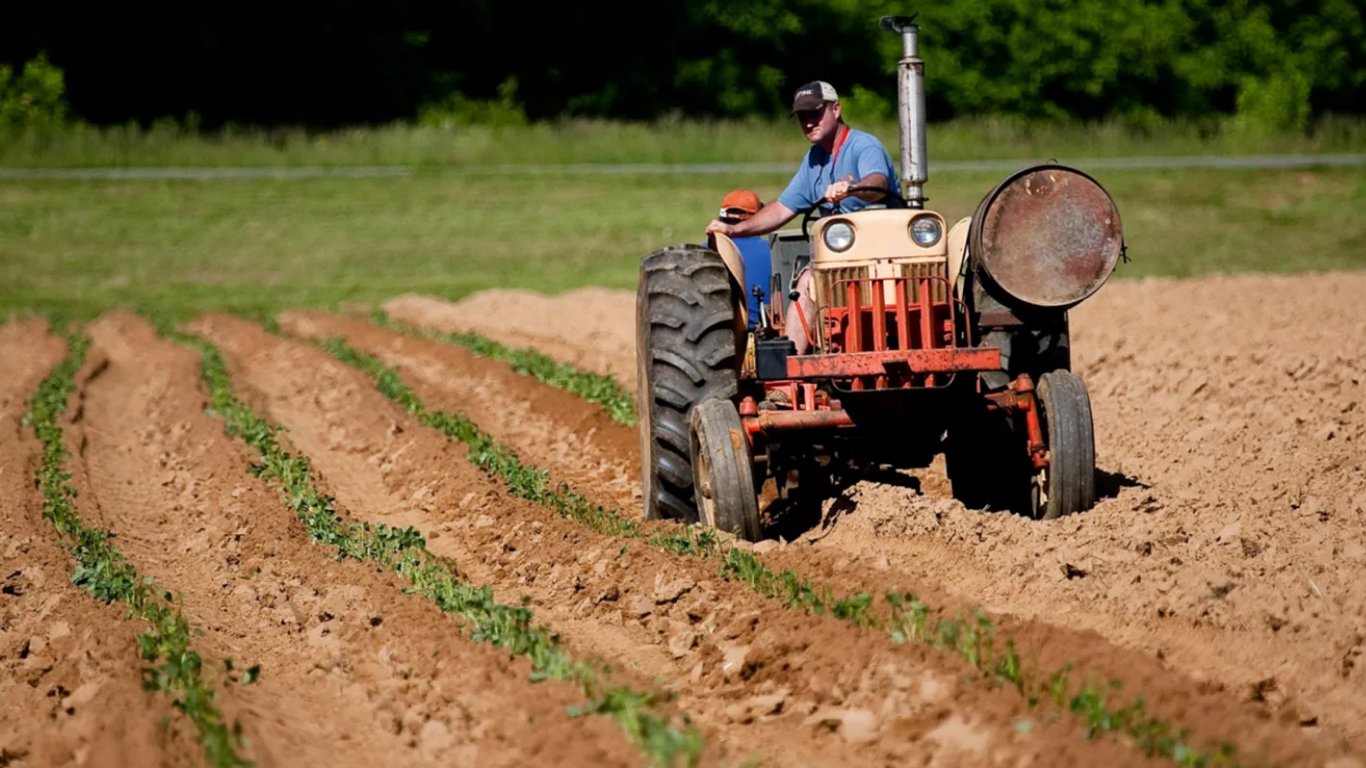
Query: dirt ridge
{"x": 70, "y": 674}
{"x": 1229, "y": 546}
{"x": 854, "y": 699}
{"x": 353, "y": 671}
{"x": 447, "y": 376}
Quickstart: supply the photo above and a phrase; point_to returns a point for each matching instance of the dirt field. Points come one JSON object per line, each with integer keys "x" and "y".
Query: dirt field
{"x": 1220, "y": 578}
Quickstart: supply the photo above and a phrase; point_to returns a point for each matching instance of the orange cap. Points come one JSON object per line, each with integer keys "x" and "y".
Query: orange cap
{"x": 740, "y": 201}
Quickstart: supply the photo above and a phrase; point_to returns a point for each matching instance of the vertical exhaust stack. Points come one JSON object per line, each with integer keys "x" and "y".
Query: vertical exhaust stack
{"x": 910, "y": 98}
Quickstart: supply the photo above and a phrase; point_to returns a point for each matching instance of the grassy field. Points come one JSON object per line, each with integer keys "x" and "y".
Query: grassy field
{"x": 78, "y": 247}
{"x": 586, "y": 141}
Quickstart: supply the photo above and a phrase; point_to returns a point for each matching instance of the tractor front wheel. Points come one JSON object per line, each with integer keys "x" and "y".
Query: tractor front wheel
{"x": 1068, "y": 484}
{"x": 723, "y": 478}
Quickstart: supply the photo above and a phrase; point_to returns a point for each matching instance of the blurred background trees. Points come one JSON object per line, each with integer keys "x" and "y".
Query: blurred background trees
{"x": 1261, "y": 65}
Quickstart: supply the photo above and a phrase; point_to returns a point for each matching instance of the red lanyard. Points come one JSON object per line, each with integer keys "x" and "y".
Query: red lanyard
{"x": 839, "y": 142}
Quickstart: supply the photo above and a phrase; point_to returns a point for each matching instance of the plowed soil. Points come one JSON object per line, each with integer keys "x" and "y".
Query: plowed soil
{"x": 1220, "y": 578}
{"x": 1230, "y": 546}
{"x": 70, "y": 681}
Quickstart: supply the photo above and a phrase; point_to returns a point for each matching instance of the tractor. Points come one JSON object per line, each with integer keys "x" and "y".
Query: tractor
{"x": 925, "y": 339}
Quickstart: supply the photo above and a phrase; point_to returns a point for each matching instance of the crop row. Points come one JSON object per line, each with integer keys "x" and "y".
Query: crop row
{"x": 101, "y": 570}
{"x": 403, "y": 550}
{"x": 602, "y": 391}
{"x": 903, "y": 617}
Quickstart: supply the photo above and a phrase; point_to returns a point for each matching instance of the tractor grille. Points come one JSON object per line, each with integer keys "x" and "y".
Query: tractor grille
{"x": 833, "y": 288}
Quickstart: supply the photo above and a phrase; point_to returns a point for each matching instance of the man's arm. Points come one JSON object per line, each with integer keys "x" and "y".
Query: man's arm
{"x": 769, "y": 218}
{"x": 840, "y": 189}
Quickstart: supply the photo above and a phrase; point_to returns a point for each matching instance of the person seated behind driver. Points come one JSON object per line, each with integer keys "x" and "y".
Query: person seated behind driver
{"x": 840, "y": 157}
{"x": 737, "y": 206}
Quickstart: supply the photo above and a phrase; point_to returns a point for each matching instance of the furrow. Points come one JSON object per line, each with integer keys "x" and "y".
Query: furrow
{"x": 352, "y": 671}
{"x": 584, "y": 328}
{"x": 403, "y": 551}
{"x": 70, "y": 671}
{"x": 598, "y": 389}
{"x": 166, "y": 645}
{"x": 446, "y": 377}
{"x": 817, "y": 672}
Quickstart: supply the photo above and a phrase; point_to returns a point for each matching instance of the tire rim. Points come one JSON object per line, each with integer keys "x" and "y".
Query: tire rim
{"x": 1038, "y": 492}
{"x": 706, "y": 504}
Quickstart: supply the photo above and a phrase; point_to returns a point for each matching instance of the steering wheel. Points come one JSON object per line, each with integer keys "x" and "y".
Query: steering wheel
{"x": 824, "y": 207}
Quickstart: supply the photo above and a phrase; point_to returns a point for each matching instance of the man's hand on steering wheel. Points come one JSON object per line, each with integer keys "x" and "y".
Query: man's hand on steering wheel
{"x": 847, "y": 187}
{"x": 838, "y": 191}
{"x": 828, "y": 207}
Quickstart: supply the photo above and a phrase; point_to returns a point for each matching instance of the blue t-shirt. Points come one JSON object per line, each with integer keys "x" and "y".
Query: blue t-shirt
{"x": 859, "y": 155}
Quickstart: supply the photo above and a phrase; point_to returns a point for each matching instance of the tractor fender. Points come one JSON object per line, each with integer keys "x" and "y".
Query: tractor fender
{"x": 958, "y": 252}
{"x": 735, "y": 264}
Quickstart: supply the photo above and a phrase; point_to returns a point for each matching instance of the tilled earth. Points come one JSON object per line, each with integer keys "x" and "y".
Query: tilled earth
{"x": 1219, "y": 579}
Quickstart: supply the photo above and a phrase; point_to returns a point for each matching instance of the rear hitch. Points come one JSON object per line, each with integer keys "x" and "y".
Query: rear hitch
{"x": 1019, "y": 398}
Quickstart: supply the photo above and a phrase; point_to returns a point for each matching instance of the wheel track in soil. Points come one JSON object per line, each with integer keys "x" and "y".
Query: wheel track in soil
{"x": 70, "y": 672}
{"x": 1171, "y": 365}
{"x": 580, "y": 445}
{"x": 354, "y": 671}
{"x": 654, "y": 615}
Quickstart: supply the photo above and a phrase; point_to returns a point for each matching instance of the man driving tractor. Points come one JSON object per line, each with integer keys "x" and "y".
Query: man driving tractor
{"x": 840, "y": 158}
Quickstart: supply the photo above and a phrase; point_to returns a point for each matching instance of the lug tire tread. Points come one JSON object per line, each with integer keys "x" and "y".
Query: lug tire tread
{"x": 686, "y": 353}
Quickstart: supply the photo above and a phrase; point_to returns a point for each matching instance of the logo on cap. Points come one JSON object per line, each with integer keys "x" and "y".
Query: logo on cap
{"x": 813, "y": 95}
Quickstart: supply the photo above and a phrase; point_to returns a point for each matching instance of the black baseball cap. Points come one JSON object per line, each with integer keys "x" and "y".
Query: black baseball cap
{"x": 813, "y": 95}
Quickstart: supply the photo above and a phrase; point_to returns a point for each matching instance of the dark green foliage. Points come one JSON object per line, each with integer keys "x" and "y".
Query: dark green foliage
{"x": 1268, "y": 60}
{"x": 34, "y": 98}
{"x": 102, "y": 570}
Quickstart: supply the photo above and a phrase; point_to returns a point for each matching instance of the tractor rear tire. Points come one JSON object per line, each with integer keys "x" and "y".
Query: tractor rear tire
{"x": 722, "y": 472}
{"x": 687, "y": 343}
{"x": 1068, "y": 485}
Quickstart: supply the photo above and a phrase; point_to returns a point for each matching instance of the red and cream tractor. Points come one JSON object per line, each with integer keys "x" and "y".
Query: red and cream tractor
{"x": 925, "y": 338}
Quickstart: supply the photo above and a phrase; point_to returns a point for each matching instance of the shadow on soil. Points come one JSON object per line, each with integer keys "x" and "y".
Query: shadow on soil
{"x": 1109, "y": 484}
{"x": 801, "y": 512}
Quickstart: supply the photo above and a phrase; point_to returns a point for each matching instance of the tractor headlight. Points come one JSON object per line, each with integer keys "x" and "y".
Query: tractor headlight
{"x": 839, "y": 236}
{"x": 926, "y": 230}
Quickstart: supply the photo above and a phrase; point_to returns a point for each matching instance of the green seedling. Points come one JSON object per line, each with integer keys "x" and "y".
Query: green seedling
{"x": 101, "y": 570}
{"x": 405, "y": 552}
{"x": 603, "y": 391}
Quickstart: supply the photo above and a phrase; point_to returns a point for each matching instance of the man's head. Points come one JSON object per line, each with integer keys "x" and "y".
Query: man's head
{"x": 738, "y": 205}
{"x": 816, "y": 106}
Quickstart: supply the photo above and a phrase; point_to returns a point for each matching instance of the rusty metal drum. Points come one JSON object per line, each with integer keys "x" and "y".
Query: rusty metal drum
{"x": 1049, "y": 236}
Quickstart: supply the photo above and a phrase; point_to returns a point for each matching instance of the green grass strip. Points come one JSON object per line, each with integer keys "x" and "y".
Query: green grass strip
{"x": 904, "y": 617}
{"x": 405, "y": 552}
{"x": 103, "y": 571}
{"x": 603, "y": 391}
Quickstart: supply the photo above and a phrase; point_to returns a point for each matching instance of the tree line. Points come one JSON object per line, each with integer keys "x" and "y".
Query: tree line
{"x": 1273, "y": 63}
